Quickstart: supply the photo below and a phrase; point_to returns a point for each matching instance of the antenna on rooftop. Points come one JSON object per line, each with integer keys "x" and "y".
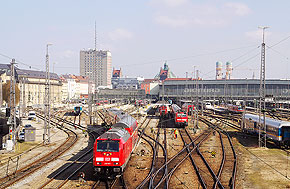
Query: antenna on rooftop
{"x": 95, "y": 35}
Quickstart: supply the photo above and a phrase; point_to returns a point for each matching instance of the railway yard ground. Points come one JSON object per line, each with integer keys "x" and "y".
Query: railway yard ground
{"x": 256, "y": 167}
{"x": 261, "y": 167}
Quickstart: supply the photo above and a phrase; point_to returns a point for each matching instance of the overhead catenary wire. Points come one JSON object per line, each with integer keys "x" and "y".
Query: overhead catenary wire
{"x": 20, "y": 62}
{"x": 243, "y": 62}
{"x": 268, "y": 47}
{"x": 284, "y": 39}
{"x": 188, "y": 57}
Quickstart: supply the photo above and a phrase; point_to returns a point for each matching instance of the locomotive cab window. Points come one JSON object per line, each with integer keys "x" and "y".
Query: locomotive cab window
{"x": 108, "y": 146}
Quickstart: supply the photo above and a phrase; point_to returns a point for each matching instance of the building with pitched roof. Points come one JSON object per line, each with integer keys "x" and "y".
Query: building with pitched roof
{"x": 75, "y": 87}
{"x": 32, "y": 85}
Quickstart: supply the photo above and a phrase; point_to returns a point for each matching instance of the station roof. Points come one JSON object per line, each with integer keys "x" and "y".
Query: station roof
{"x": 229, "y": 82}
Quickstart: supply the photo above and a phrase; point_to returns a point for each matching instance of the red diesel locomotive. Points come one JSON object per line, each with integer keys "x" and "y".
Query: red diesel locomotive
{"x": 163, "y": 111}
{"x": 189, "y": 108}
{"x": 235, "y": 109}
{"x": 112, "y": 150}
{"x": 180, "y": 116}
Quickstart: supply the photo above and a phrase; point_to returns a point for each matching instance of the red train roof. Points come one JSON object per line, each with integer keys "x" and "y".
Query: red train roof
{"x": 115, "y": 134}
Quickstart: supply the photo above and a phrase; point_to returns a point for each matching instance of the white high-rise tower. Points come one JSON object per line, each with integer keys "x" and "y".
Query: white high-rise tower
{"x": 97, "y": 65}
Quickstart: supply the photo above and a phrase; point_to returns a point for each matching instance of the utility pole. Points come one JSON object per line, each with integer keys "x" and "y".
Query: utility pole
{"x": 46, "y": 134}
{"x": 262, "y": 103}
{"x": 90, "y": 100}
{"x": 202, "y": 99}
{"x": 163, "y": 91}
{"x": 191, "y": 96}
{"x": 1, "y": 92}
{"x": 53, "y": 92}
{"x": 24, "y": 97}
{"x": 196, "y": 102}
{"x": 12, "y": 117}
{"x": 20, "y": 97}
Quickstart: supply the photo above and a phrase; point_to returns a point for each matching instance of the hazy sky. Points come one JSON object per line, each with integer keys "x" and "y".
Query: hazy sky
{"x": 143, "y": 34}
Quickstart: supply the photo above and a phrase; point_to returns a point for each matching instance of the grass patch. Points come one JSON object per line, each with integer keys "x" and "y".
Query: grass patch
{"x": 21, "y": 147}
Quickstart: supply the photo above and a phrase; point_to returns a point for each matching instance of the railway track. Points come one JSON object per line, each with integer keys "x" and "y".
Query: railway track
{"x": 29, "y": 169}
{"x": 202, "y": 164}
{"x": 62, "y": 177}
{"x": 118, "y": 182}
{"x": 151, "y": 178}
{"x": 228, "y": 176}
{"x": 174, "y": 162}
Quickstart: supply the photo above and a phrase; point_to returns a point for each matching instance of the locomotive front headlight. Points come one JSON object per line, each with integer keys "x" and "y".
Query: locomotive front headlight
{"x": 99, "y": 159}
{"x": 115, "y": 159}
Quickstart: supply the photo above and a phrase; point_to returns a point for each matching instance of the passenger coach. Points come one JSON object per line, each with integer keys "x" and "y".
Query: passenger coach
{"x": 277, "y": 130}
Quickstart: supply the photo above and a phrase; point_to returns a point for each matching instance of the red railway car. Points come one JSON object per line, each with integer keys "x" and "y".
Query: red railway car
{"x": 112, "y": 150}
{"x": 235, "y": 109}
{"x": 163, "y": 111}
{"x": 189, "y": 108}
{"x": 180, "y": 116}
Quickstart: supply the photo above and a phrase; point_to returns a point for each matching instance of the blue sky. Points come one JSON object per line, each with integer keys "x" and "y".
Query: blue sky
{"x": 143, "y": 34}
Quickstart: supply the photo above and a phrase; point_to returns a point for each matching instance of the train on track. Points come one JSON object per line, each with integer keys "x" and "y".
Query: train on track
{"x": 180, "y": 116}
{"x": 78, "y": 110}
{"x": 234, "y": 109}
{"x": 276, "y": 130}
{"x": 225, "y": 108}
{"x": 164, "y": 111}
{"x": 188, "y": 108}
{"x": 112, "y": 150}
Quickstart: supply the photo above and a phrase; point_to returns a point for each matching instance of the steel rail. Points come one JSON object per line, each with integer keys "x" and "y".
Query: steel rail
{"x": 29, "y": 169}
{"x": 193, "y": 163}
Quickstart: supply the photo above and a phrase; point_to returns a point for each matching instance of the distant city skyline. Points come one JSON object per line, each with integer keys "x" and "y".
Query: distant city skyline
{"x": 142, "y": 35}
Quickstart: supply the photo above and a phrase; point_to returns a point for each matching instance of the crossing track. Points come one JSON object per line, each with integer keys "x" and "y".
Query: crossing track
{"x": 200, "y": 163}
{"x": 225, "y": 119}
{"x": 157, "y": 162}
{"x": 29, "y": 169}
{"x": 174, "y": 162}
{"x": 228, "y": 167}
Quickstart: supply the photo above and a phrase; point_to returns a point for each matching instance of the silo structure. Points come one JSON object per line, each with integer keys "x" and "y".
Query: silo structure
{"x": 219, "y": 67}
{"x": 229, "y": 70}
